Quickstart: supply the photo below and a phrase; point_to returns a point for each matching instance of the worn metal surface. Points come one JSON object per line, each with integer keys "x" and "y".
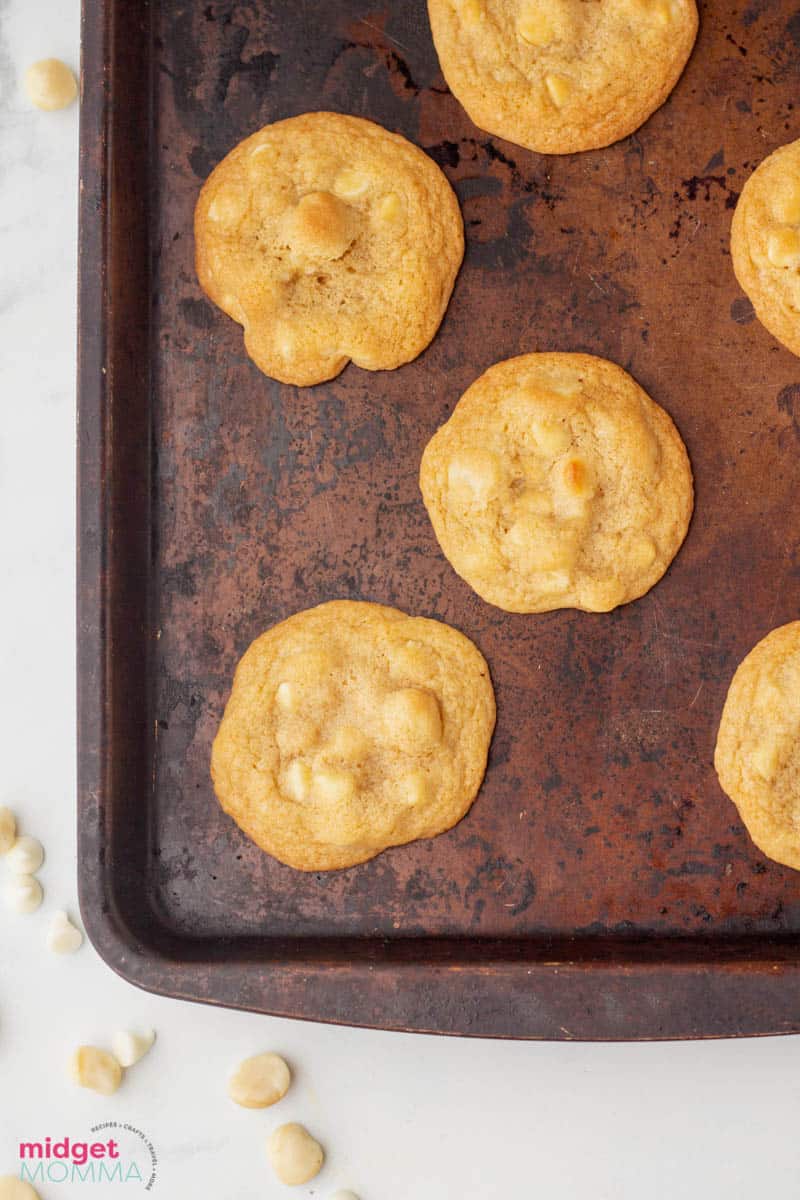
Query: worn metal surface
{"x": 602, "y": 885}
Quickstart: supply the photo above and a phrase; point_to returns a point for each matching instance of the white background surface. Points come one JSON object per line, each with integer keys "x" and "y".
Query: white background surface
{"x": 401, "y": 1117}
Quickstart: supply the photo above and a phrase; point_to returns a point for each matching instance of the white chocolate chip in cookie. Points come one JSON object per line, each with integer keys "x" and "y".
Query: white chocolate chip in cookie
{"x": 551, "y": 437}
{"x": 26, "y": 856}
{"x": 62, "y": 936}
{"x": 50, "y": 84}
{"x": 297, "y": 781}
{"x": 536, "y": 27}
{"x": 260, "y": 1081}
{"x": 228, "y": 206}
{"x": 287, "y": 696}
{"x": 559, "y": 89}
{"x": 96, "y": 1070}
{"x": 294, "y": 1155}
{"x": 783, "y": 248}
{"x": 23, "y": 893}
{"x": 539, "y": 546}
{"x": 333, "y": 786}
{"x": 130, "y": 1047}
{"x": 473, "y": 477}
{"x": 13, "y": 1188}
{"x": 319, "y": 229}
{"x": 351, "y": 183}
{"x": 767, "y": 755}
{"x": 8, "y": 830}
{"x": 642, "y": 551}
{"x": 412, "y": 718}
{"x": 415, "y": 788}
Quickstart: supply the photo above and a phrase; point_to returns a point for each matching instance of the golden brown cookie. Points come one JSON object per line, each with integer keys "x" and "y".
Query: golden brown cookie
{"x": 328, "y": 238}
{"x": 758, "y": 745}
{"x": 765, "y": 243}
{"x": 352, "y": 727}
{"x": 559, "y": 76}
{"x": 558, "y": 483}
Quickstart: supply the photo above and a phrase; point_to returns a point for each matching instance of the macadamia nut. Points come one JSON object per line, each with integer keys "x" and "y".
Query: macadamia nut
{"x": 62, "y": 936}
{"x": 294, "y": 1155}
{"x": 23, "y": 893}
{"x": 260, "y": 1081}
{"x": 130, "y": 1047}
{"x": 25, "y": 856}
{"x": 96, "y": 1069}
{"x": 8, "y": 830}
{"x": 12, "y": 1188}
{"x": 50, "y": 84}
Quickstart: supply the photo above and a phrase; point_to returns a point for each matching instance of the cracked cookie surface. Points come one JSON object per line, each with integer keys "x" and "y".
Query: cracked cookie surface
{"x": 757, "y": 756}
{"x": 765, "y": 243}
{"x": 352, "y": 727}
{"x": 559, "y": 76}
{"x": 558, "y": 483}
{"x": 328, "y": 238}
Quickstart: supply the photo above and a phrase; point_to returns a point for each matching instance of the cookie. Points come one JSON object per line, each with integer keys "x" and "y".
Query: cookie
{"x": 558, "y": 483}
{"x": 758, "y": 745}
{"x": 328, "y": 238}
{"x": 350, "y": 728}
{"x": 559, "y": 76}
{"x": 765, "y": 243}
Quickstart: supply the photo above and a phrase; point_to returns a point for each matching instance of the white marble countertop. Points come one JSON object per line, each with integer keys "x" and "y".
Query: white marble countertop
{"x": 400, "y": 1116}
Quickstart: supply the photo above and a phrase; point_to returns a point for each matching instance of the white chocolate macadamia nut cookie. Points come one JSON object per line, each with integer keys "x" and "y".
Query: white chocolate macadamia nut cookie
{"x": 757, "y": 756}
{"x": 294, "y": 1154}
{"x": 558, "y": 483}
{"x": 260, "y": 1081}
{"x": 558, "y": 76}
{"x": 765, "y": 243}
{"x": 328, "y": 238}
{"x": 352, "y": 727}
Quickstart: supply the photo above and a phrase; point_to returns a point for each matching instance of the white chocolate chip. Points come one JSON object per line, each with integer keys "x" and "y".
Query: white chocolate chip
{"x": 297, "y": 781}
{"x": 389, "y": 208}
{"x": 227, "y": 207}
{"x": 551, "y": 437}
{"x": 23, "y": 893}
{"x": 558, "y": 89}
{"x": 351, "y": 183}
{"x": 62, "y": 936}
{"x": 286, "y": 697}
{"x": 536, "y": 28}
{"x": 12, "y": 1188}
{"x": 96, "y": 1070}
{"x": 335, "y": 787}
{"x": 473, "y": 477}
{"x": 412, "y": 719}
{"x": 50, "y": 84}
{"x": 129, "y": 1047}
{"x": 260, "y": 1081}
{"x": 783, "y": 248}
{"x": 8, "y": 830}
{"x": 415, "y": 789}
{"x": 25, "y": 856}
{"x": 348, "y": 744}
{"x": 294, "y": 1155}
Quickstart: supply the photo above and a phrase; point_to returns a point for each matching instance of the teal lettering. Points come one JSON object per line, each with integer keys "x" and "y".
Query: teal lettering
{"x": 83, "y": 1174}
{"x": 110, "y": 1174}
{"x": 133, "y": 1173}
{"x": 35, "y": 1176}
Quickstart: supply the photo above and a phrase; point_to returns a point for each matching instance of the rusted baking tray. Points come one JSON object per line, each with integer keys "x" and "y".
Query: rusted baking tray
{"x": 602, "y": 885}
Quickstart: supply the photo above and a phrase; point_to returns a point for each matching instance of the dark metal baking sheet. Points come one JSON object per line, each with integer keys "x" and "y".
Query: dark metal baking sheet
{"x": 602, "y": 885}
